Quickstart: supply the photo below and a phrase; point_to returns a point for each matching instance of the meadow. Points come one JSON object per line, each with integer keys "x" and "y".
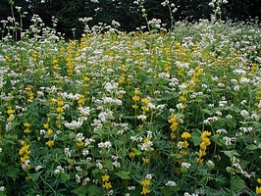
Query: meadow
{"x": 139, "y": 113}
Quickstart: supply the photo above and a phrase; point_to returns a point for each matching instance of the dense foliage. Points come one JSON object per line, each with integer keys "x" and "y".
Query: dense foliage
{"x": 139, "y": 113}
{"x": 126, "y": 12}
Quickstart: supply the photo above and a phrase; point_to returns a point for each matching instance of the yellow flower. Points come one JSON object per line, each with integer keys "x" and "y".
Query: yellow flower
{"x": 145, "y": 191}
{"x": 185, "y": 135}
{"x": 258, "y": 190}
{"x": 135, "y": 106}
{"x": 24, "y": 150}
{"x": 105, "y": 178}
{"x": 174, "y": 126}
{"x": 201, "y": 153}
{"x": 60, "y": 103}
{"x": 146, "y": 161}
{"x": 145, "y": 100}
{"x": 50, "y": 143}
{"x": 172, "y": 135}
{"x": 183, "y": 152}
{"x": 205, "y": 134}
{"x": 79, "y": 144}
{"x": 182, "y": 99}
{"x": 24, "y": 158}
{"x": 199, "y": 160}
{"x": 26, "y": 124}
{"x": 80, "y": 102}
{"x": 135, "y": 98}
{"x": 132, "y": 155}
{"x": 10, "y": 111}
{"x": 259, "y": 181}
{"x": 146, "y": 140}
{"x": 145, "y": 182}
{"x": 59, "y": 110}
{"x": 136, "y": 91}
{"x": 10, "y": 119}
{"x": 145, "y": 108}
{"x": 46, "y": 126}
{"x": 184, "y": 144}
{"x": 107, "y": 185}
{"x": 27, "y": 130}
{"x": 49, "y": 132}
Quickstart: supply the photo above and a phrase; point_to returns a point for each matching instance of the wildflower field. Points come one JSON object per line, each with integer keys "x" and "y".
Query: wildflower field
{"x": 154, "y": 113}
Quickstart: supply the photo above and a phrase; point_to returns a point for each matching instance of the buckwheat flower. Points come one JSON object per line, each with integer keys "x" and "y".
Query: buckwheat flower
{"x": 244, "y": 114}
{"x": 116, "y": 164}
{"x": 73, "y": 125}
{"x": 147, "y": 146}
{"x": 228, "y": 140}
{"x": 244, "y": 80}
{"x": 88, "y": 141}
{"x": 186, "y": 165}
{"x": 171, "y": 183}
{"x": 77, "y": 178}
{"x": 2, "y": 188}
{"x": 79, "y": 137}
{"x": 67, "y": 152}
{"x": 37, "y": 168}
{"x": 99, "y": 165}
{"x": 220, "y": 131}
{"x": 58, "y": 169}
{"x": 85, "y": 152}
{"x": 254, "y": 116}
{"x": 142, "y": 117}
{"x": 222, "y": 103}
{"x": 107, "y": 144}
{"x": 229, "y": 116}
{"x": 236, "y": 88}
{"x": 218, "y": 113}
{"x": 85, "y": 181}
{"x": 180, "y": 106}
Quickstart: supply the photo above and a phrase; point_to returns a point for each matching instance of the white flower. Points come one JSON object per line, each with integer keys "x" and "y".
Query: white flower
{"x": 186, "y": 165}
{"x": 147, "y": 146}
{"x": 77, "y": 178}
{"x": 142, "y": 117}
{"x": 1, "y": 149}
{"x": 244, "y": 80}
{"x": 73, "y": 125}
{"x": 171, "y": 183}
{"x": 149, "y": 176}
{"x": 244, "y": 113}
{"x": 58, "y": 169}
{"x": 2, "y": 188}
{"x": 79, "y": 137}
{"x": 37, "y": 168}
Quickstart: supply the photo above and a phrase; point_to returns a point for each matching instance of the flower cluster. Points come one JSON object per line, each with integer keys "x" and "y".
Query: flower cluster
{"x": 205, "y": 142}
{"x": 146, "y": 183}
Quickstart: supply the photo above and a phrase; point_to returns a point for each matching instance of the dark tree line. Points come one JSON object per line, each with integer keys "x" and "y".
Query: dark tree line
{"x": 125, "y": 12}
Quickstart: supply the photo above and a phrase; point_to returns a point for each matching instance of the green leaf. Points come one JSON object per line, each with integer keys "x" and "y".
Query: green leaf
{"x": 123, "y": 174}
{"x": 195, "y": 136}
{"x": 178, "y": 156}
{"x": 230, "y": 153}
{"x": 64, "y": 177}
{"x": 169, "y": 191}
{"x": 93, "y": 190}
{"x": 35, "y": 176}
{"x": 80, "y": 191}
{"x": 12, "y": 171}
{"x": 252, "y": 147}
{"x": 237, "y": 183}
{"x": 209, "y": 112}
